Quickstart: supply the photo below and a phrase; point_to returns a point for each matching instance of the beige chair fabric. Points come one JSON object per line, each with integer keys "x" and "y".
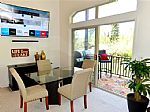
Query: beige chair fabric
{"x": 30, "y": 93}
{"x": 79, "y": 85}
{"x": 88, "y": 63}
{"x": 44, "y": 67}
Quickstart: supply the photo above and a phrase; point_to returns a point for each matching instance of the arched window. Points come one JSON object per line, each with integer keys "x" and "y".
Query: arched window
{"x": 109, "y": 9}
{"x": 84, "y": 15}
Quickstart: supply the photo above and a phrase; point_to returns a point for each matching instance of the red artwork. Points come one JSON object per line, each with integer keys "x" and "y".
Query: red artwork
{"x": 19, "y": 52}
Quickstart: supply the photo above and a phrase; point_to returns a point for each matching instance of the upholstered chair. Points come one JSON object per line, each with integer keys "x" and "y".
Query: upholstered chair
{"x": 77, "y": 88}
{"x": 31, "y": 93}
{"x": 44, "y": 66}
{"x": 88, "y": 63}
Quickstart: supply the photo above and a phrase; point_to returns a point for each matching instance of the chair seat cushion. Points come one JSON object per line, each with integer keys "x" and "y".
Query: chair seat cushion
{"x": 104, "y": 57}
{"x": 65, "y": 91}
{"x": 36, "y": 92}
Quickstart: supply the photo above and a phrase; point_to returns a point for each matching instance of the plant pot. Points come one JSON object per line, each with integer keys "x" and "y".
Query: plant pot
{"x": 148, "y": 109}
{"x": 135, "y": 106}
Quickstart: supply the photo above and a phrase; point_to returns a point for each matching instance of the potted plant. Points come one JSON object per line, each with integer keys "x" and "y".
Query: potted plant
{"x": 139, "y": 84}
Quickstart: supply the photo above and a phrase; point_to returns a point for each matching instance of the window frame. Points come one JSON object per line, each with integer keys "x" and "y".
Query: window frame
{"x": 96, "y": 12}
{"x": 118, "y": 18}
{"x": 86, "y": 14}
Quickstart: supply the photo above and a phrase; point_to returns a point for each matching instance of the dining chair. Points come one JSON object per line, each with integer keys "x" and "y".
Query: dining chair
{"x": 30, "y": 93}
{"x": 44, "y": 67}
{"x": 77, "y": 88}
{"x": 88, "y": 63}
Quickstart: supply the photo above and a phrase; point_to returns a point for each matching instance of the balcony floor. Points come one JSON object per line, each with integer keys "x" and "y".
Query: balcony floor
{"x": 114, "y": 84}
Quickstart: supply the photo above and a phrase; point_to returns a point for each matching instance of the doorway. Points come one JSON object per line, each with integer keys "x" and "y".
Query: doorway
{"x": 83, "y": 46}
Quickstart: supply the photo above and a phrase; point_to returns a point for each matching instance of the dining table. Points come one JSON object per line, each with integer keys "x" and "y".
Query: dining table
{"x": 51, "y": 80}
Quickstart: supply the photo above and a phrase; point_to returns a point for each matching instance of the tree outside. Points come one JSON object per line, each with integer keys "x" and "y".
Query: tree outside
{"x": 79, "y": 42}
{"x": 117, "y": 39}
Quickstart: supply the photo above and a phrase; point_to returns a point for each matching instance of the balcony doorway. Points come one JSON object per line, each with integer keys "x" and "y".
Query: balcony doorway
{"x": 83, "y": 46}
{"x": 117, "y": 40}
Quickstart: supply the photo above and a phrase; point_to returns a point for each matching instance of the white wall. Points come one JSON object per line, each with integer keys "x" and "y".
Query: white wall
{"x": 142, "y": 32}
{"x": 50, "y": 45}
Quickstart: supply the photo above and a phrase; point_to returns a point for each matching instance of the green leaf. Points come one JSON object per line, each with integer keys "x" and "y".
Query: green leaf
{"x": 140, "y": 76}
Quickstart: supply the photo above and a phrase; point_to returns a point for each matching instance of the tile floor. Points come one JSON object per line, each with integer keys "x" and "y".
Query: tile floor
{"x": 98, "y": 101}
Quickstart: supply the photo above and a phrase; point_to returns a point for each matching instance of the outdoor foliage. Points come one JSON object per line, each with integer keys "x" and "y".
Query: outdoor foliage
{"x": 79, "y": 42}
{"x": 117, "y": 38}
{"x": 111, "y": 39}
{"x": 114, "y": 33}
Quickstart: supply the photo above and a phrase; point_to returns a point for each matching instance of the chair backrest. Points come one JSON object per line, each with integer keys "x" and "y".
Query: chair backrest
{"x": 44, "y": 66}
{"x": 88, "y": 63}
{"x": 80, "y": 83}
{"x": 102, "y": 52}
{"x": 19, "y": 82}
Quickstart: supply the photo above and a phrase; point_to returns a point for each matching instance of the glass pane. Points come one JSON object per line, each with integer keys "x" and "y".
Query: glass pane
{"x": 91, "y": 13}
{"x": 85, "y": 42}
{"x": 117, "y": 39}
{"x": 118, "y": 7}
{"x": 91, "y": 41}
{"x": 84, "y": 45}
{"x": 79, "y": 39}
{"x": 78, "y": 17}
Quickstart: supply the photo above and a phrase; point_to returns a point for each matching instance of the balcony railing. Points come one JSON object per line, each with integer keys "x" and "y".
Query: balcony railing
{"x": 118, "y": 66}
{"x": 120, "y": 63}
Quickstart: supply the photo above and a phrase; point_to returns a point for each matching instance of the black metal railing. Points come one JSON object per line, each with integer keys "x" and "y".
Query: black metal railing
{"x": 117, "y": 66}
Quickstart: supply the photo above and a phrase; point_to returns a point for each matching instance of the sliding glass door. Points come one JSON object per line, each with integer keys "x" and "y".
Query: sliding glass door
{"x": 83, "y": 45}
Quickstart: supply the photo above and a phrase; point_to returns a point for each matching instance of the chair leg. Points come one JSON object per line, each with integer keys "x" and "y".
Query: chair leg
{"x": 59, "y": 99}
{"x": 90, "y": 86}
{"x": 111, "y": 70}
{"x": 25, "y": 106}
{"x": 85, "y": 101}
{"x": 21, "y": 101}
{"x": 100, "y": 70}
{"x": 46, "y": 102}
{"x": 71, "y": 106}
{"x": 60, "y": 83}
{"x": 40, "y": 99}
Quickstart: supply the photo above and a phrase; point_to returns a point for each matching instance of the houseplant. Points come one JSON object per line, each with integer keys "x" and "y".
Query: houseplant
{"x": 139, "y": 84}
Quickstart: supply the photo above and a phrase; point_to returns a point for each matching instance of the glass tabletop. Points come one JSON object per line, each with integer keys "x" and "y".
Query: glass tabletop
{"x": 55, "y": 74}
